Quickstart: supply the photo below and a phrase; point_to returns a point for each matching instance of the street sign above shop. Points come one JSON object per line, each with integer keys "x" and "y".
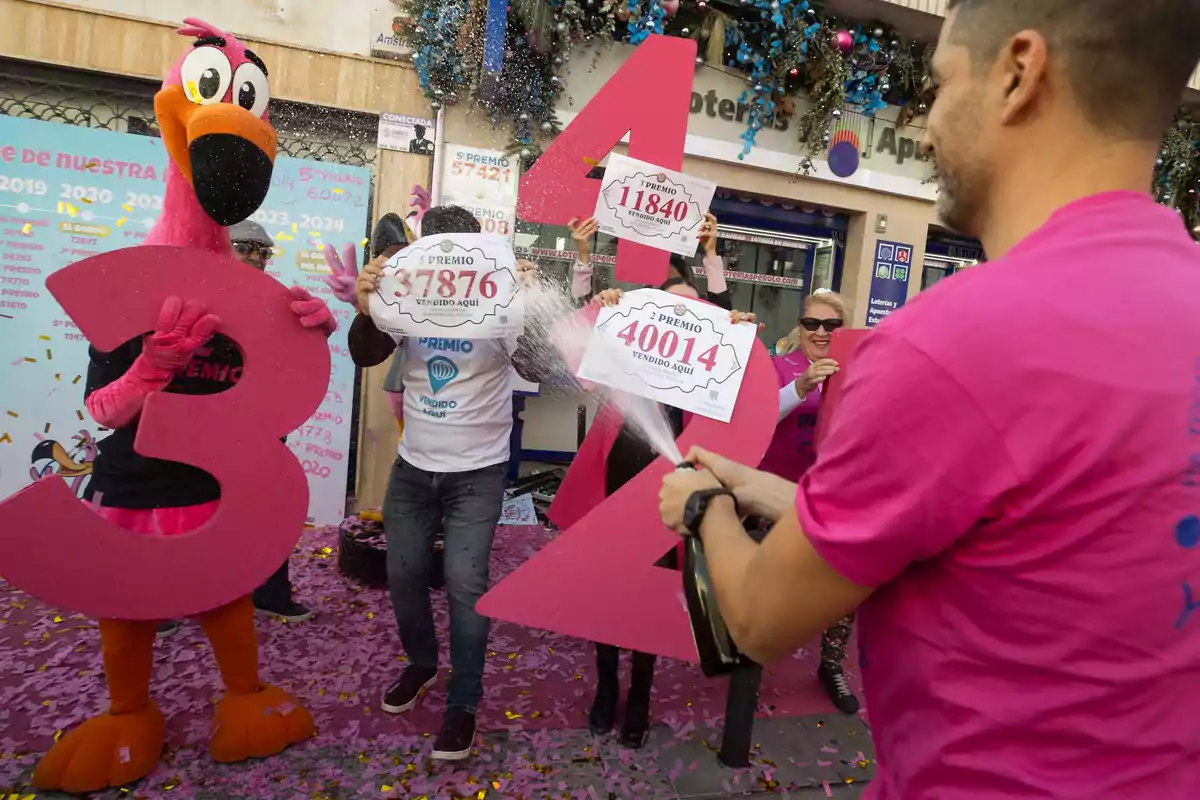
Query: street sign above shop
{"x": 386, "y": 26}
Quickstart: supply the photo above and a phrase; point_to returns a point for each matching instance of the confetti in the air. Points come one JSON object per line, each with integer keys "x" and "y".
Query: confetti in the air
{"x": 43, "y": 337}
{"x": 120, "y": 222}
{"x": 77, "y": 377}
{"x": 79, "y": 414}
{"x": 13, "y": 414}
{"x": 27, "y": 229}
{"x": 47, "y": 428}
{"x": 29, "y": 360}
{"x": 5, "y": 439}
{"x": 91, "y": 167}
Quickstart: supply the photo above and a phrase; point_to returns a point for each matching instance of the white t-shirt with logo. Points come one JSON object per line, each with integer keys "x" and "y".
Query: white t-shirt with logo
{"x": 457, "y": 402}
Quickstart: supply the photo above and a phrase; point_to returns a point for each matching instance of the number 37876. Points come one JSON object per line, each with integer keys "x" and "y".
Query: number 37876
{"x": 446, "y": 284}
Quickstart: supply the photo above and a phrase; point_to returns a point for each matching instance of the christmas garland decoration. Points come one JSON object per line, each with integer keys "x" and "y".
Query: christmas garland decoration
{"x": 1177, "y": 171}
{"x": 790, "y": 51}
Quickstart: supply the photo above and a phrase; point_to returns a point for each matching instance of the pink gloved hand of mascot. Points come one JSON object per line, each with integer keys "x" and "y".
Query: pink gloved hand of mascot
{"x": 182, "y": 329}
{"x": 312, "y": 311}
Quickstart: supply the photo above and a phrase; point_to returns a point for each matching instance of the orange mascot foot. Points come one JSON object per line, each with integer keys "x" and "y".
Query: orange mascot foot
{"x": 258, "y": 725}
{"x": 253, "y": 720}
{"x": 109, "y": 750}
{"x": 123, "y": 745}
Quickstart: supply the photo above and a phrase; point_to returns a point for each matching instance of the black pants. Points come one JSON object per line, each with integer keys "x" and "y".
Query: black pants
{"x": 276, "y": 591}
{"x": 608, "y": 663}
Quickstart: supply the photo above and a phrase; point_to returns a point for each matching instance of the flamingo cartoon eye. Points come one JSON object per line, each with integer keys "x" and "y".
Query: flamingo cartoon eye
{"x": 250, "y": 90}
{"x": 206, "y": 75}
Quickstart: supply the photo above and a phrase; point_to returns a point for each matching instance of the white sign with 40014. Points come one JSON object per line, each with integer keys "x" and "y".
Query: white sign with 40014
{"x": 672, "y": 350}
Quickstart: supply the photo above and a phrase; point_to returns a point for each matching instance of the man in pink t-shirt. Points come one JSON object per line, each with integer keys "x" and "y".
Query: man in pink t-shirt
{"x": 1010, "y": 489}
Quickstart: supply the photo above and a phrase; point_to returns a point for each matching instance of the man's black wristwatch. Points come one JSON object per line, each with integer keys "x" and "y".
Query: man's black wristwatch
{"x": 697, "y": 506}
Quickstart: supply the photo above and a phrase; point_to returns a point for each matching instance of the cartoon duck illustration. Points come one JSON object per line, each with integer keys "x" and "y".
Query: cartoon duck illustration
{"x": 50, "y": 457}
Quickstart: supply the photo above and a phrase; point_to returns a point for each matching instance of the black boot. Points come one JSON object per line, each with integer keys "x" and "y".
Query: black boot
{"x": 636, "y": 729}
{"x": 608, "y": 690}
{"x": 834, "y": 681}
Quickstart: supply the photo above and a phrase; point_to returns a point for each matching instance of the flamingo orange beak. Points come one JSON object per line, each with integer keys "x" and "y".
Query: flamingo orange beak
{"x": 226, "y": 153}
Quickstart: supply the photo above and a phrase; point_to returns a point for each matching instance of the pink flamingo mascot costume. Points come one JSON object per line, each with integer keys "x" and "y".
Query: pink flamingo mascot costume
{"x": 212, "y": 110}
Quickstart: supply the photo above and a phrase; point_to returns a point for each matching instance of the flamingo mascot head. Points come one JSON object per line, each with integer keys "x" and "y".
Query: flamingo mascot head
{"x": 212, "y": 110}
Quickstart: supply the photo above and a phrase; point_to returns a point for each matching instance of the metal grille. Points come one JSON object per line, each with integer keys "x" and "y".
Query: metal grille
{"x": 126, "y": 105}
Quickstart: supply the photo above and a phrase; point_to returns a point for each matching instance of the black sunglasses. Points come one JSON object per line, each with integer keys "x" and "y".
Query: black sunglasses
{"x": 812, "y": 323}
{"x": 251, "y": 248}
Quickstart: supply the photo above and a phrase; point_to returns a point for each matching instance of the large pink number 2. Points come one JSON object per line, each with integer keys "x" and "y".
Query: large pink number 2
{"x": 59, "y": 550}
{"x": 558, "y": 189}
{"x": 597, "y": 580}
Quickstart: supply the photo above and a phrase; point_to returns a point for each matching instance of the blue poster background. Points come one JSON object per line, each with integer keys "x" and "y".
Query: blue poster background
{"x": 67, "y": 193}
{"x": 889, "y": 281}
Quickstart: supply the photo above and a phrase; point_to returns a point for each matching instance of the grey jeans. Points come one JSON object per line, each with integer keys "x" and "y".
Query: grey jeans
{"x": 466, "y": 507}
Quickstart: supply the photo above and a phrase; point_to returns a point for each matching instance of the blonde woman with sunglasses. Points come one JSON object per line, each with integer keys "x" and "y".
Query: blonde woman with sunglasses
{"x": 803, "y": 365}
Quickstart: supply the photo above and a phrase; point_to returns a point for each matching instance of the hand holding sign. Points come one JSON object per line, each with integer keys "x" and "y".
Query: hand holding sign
{"x": 672, "y": 350}
{"x": 657, "y": 207}
{"x": 452, "y": 285}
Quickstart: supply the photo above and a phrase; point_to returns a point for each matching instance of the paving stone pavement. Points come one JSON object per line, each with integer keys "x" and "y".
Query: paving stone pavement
{"x": 797, "y": 757}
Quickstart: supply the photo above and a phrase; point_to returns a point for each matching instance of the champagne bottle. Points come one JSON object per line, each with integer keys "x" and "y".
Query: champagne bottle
{"x": 718, "y": 654}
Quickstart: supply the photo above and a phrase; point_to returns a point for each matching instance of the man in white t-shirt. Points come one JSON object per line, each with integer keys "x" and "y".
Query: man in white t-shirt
{"x": 450, "y": 471}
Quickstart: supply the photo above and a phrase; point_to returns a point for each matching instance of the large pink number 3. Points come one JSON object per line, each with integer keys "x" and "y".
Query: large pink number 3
{"x": 59, "y": 550}
{"x": 648, "y": 98}
{"x": 597, "y": 580}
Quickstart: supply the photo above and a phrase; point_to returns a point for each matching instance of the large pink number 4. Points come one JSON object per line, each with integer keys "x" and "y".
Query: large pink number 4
{"x": 649, "y": 99}
{"x": 597, "y": 580}
{"x": 60, "y": 551}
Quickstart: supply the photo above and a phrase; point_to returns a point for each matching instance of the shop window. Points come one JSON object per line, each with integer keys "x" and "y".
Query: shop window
{"x": 767, "y": 273}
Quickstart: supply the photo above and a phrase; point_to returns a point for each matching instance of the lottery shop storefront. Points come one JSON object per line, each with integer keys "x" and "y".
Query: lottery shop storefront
{"x": 869, "y": 232}
{"x": 785, "y": 232}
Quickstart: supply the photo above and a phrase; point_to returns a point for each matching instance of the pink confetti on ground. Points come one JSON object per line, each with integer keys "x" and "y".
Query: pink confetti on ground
{"x": 537, "y": 684}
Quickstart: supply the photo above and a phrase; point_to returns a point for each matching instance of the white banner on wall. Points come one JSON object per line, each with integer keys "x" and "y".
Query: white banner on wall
{"x": 405, "y": 134}
{"x": 485, "y": 183}
{"x": 67, "y": 193}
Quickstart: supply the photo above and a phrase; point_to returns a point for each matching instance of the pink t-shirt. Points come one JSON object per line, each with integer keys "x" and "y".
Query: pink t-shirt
{"x": 1015, "y": 463}
{"x": 791, "y": 451}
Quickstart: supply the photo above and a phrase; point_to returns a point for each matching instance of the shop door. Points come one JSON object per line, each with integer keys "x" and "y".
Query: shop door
{"x": 770, "y": 274}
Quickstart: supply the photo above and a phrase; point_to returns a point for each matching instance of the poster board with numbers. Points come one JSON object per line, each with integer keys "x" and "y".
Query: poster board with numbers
{"x": 485, "y": 183}
{"x": 67, "y": 193}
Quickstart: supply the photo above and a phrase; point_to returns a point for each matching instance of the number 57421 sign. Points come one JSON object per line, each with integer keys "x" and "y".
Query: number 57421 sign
{"x": 671, "y": 350}
{"x": 462, "y": 286}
